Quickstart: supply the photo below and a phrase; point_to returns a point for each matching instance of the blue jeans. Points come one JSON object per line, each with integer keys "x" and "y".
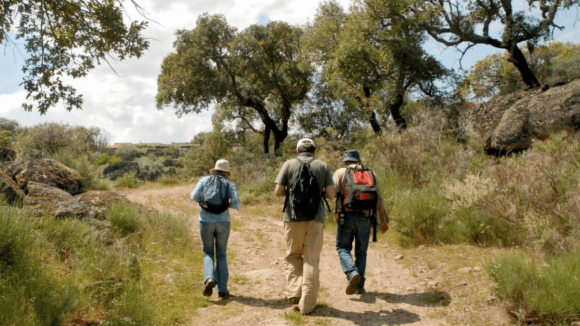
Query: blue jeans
{"x": 357, "y": 227}
{"x": 215, "y": 234}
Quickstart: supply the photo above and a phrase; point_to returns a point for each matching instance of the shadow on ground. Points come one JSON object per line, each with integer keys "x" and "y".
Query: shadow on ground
{"x": 425, "y": 299}
{"x": 279, "y": 303}
{"x": 370, "y": 318}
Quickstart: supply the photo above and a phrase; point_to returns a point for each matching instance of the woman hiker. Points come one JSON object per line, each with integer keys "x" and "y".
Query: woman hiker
{"x": 215, "y": 194}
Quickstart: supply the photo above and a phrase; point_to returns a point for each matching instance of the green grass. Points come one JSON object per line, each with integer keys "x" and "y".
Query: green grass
{"x": 151, "y": 274}
{"x": 125, "y": 218}
{"x": 544, "y": 290}
{"x": 128, "y": 180}
{"x": 295, "y": 318}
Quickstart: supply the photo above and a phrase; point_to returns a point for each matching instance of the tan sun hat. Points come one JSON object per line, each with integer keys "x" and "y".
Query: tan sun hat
{"x": 221, "y": 165}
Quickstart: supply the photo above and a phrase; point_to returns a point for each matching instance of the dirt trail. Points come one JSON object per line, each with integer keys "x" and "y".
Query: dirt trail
{"x": 395, "y": 296}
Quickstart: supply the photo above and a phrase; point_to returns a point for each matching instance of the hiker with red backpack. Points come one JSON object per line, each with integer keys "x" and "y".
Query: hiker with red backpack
{"x": 215, "y": 194}
{"x": 359, "y": 207}
{"x": 306, "y": 183}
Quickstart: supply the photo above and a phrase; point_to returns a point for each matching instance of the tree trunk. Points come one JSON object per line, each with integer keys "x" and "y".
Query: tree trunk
{"x": 396, "y": 113}
{"x": 373, "y": 118}
{"x": 266, "y": 140}
{"x": 518, "y": 59}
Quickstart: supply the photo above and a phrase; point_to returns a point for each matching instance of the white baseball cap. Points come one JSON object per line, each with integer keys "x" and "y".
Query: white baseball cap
{"x": 305, "y": 141}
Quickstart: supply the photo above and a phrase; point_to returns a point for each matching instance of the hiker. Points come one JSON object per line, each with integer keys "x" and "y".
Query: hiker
{"x": 358, "y": 205}
{"x": 215, "y": 194}
{"x": 304, "y": 222}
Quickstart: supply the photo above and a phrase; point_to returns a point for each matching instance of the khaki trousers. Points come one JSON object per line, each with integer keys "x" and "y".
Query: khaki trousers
{"x": 304, "y": 246}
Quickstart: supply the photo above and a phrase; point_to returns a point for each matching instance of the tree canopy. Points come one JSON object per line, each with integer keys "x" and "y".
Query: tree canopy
{"x": 454, "y": 22}
{"x": 256, "y": 74}
{"x": 553, "y": 63}
{"x": 67, "y": 39}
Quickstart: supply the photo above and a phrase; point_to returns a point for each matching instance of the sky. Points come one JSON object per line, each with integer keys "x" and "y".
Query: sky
{"x": 122, "y": 102}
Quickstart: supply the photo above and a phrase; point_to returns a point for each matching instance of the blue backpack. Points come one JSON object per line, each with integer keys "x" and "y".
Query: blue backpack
{"x": 215, "y": 197}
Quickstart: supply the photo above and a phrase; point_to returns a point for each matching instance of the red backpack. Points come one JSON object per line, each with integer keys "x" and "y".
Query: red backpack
{"x": 360, "y": 189}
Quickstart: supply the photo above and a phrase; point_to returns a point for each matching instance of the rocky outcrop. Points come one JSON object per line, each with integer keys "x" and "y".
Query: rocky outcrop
{"x": 46, "y": 171}
{"x": 97, "y": 201}
{"x": 117, "y": 170}
{"x": 512, "y": 121}
{"x": 47, "y": 188}
{"x": 10, "y": 189}
{"x": 45, "y": 199}
{"x": 7, "y": 155}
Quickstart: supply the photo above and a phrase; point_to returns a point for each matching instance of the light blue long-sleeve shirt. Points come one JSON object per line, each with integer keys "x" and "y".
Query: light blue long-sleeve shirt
{"x": 205, "y": 216}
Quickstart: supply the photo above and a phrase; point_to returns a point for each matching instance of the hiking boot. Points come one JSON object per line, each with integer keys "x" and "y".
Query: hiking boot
{"x": 209, "y": 285}
{"x": 352, "y": 282}
{"x": 224, "y": 295}
{"x": 360, "y": 291}
{"x": 294, "y": 300}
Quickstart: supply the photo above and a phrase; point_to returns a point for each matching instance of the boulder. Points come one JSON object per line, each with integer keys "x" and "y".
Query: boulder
{"x": 117, "y": 170}
{"x": 512, "y": 121}
{"x": 47, "y": 171}
{"x": 96, "y": 201}
{"x": 7, "y": 155}
{"x": 9, "y": 188}
{"x": 45, "y": 199}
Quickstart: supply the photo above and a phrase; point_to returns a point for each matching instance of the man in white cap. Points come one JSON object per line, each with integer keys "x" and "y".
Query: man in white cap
{"x": 304, "y": 231}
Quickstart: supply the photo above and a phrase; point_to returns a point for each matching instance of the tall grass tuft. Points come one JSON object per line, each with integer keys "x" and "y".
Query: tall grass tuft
{"x": 542, "y": 291}
{"x": 125, "y": 218}
{"x": 128, "y": 180}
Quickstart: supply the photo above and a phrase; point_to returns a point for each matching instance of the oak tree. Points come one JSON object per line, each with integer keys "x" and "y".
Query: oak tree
{"x": 472, "y": 22}
{"x": 258, "y": 69}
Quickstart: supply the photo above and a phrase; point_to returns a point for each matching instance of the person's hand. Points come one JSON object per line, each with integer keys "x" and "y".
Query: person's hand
{"x": 384, "y": 227}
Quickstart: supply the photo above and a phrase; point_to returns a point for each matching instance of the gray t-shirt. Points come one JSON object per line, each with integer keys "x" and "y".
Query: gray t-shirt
{"x": 291, "y": 168}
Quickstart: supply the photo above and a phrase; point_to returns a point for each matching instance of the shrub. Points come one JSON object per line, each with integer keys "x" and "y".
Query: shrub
{"x": 128, "y": 152}
{"x": 103, "y": 159}
{"x": 538, "y": 291}
{"x": 168, "y": 180}
{"x": 421, "y": 217}
{"x": 150, "y": 169}
{"x": 128, "y": 180}
{"x": 5, "y": 138}
{"x": 46, "y": 139}
{"x": 125, "y": 218}
{"x": 115, "y": 159}
{"x": 81, "y": 163}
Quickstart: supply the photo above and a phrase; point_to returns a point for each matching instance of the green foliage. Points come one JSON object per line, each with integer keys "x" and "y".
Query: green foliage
{"x": 128, "y": 152}
{"x": 128, "y": 180}
{"x": 125, "y": 219}
{"x": 68, "y": 39}
{"x": 5, "y": 138}
{"x": 107, "y": 159}
{"x": 150, "y": 170}
{"x": 541, "y": 290}
{"x": 256, "y": 76}
{"x": 453, "y": 27}
{"x": 47, "y": 139}
{"x": 420, "y": 217}
{"x": 494, "y": 75}
{"x": 81, "y": 163}
{"x": 68, "y": 269}
{"x": 168, "y": 180}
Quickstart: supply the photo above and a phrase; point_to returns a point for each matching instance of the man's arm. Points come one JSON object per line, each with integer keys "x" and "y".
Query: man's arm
{"x": 330, "y": 192}
{"x": 280, "y": 190}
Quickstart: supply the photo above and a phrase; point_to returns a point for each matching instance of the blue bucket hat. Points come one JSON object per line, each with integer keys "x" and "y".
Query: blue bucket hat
{"x": 351, "y": 156}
